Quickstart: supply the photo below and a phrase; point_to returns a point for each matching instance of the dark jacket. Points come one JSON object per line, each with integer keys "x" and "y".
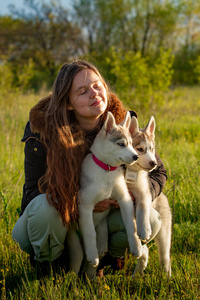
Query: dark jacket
{"x": 35, "y": 160}
{"x": 34, "y": 165}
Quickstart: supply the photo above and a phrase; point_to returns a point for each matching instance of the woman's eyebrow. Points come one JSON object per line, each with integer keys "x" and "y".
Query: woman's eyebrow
{"x": 84, "y": 86}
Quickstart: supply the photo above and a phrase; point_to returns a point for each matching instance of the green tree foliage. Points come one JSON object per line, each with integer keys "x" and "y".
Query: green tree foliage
{"x": 45, "y": 35}
{"x": 126, "y": 24}
{"x": 136, "y": 79}
{"x": 142, "y": 26}
{"x": 196, "y": 67}
{"x": 6, "y": 79}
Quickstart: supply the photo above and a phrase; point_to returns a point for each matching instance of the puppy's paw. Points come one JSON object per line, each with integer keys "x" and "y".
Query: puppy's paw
{"x": 96, "y": 263}
{"x": 93, "y": 257}
{"x": 93, "y": 261}
{"x": 144, "y": 231}
{"x": 136, "y": 247}
{"x": 141, "y": 262}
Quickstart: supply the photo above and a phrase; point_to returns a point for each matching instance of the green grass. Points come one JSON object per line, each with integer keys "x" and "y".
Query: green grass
{"x": 178, "y": 144}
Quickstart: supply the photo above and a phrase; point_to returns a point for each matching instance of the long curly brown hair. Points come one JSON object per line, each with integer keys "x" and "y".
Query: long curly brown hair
{"x": 66, "y": 144}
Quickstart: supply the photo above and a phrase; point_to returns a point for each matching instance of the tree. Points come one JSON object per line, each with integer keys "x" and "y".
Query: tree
{"x": 45, "y": 34}
{"x": 137, "y": 25}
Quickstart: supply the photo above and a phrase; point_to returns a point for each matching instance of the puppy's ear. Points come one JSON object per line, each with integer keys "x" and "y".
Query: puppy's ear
{"x": 110, "y": 123}
{"x": 134, "y": 128}
{"x": 127, "y": 121}
{"x": 150, "y": 128}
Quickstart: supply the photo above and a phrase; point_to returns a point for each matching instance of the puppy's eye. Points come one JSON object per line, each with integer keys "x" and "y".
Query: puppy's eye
{"x": 121, "y": 144}
{"x": 140, "y": 149}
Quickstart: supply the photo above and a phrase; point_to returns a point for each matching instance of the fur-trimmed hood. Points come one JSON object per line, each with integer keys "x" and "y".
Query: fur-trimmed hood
{"x": 37, "y": 113}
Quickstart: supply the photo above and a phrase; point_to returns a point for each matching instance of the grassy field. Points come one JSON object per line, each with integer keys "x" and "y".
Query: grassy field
{"x": 178, "y": 144}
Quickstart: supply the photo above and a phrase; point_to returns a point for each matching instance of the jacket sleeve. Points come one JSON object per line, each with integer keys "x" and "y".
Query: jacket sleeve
{"x": 157, "y": 178}
{"x": 34, "y": 167}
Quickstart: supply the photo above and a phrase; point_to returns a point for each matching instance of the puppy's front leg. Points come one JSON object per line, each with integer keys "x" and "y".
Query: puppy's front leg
{"x": 125, "y": 202}
{"x": 102, "y": 237}
{"x": 75, "y": 251}
{"x": 89, "y": 233}
{"x": 142, "y": 261}
{"x": 143, "y": 217}
{"x": 127, "y": 212}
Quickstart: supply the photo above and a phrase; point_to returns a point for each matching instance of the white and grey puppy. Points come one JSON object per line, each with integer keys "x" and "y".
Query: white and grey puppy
{"x": 143, "y": 141}
{"x": 112, "y": 147}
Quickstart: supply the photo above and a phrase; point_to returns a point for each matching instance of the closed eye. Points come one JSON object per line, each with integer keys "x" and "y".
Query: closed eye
{"x": 82, "y": 92}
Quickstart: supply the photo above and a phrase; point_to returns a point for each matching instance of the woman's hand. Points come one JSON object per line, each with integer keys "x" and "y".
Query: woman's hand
{"x": 105, "y": 204}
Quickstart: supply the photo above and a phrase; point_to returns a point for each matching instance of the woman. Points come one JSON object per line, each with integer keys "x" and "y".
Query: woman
{"x": 59, "y": 133}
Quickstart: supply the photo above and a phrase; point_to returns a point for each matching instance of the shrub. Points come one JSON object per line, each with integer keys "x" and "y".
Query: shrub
{"x": 136, "y": 78}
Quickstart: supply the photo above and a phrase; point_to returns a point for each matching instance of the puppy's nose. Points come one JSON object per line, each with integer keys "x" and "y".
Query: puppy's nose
{"x": 152, "y": 163}
{"x": 135, "y": 157}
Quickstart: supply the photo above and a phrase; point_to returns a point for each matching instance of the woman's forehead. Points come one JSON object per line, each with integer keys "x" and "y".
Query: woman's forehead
{"x": 85, "y": 77}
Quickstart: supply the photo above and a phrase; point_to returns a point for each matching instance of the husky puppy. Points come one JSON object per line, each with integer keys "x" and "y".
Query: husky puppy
{"x": 143, "y": 142}
{"x": 103, "y": 178}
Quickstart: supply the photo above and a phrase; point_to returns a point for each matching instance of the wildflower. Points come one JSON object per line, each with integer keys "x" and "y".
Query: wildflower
{"x": 106, "y": 287}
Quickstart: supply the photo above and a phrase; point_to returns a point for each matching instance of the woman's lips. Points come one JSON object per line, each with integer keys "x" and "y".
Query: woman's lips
{"x": 96, "y": 103}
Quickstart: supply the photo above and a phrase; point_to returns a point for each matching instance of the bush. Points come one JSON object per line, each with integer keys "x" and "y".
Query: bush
{"x": 6, "y": 79}
{"x": 136, "y": 78}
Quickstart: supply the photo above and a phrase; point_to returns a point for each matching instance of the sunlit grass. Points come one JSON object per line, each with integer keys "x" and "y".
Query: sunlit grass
{"x": 177, "y": 142}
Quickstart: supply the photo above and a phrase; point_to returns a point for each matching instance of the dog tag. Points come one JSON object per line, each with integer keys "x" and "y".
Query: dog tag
{"x": 131, "y": 176}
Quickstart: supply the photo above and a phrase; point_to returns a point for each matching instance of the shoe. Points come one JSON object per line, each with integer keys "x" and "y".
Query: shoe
{"x": 115, "y": 263}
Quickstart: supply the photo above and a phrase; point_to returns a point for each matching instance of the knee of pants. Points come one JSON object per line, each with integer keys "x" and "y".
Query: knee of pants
{"x": 118, "y": 241}
{"x": 118, "y": 244}
{"x": 45, "y": 229}
{"x": 20, "y": 234}
{"x": 115, "y": 222}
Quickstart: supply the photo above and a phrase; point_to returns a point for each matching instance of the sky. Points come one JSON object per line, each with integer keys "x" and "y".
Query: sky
{"x": 4, "y": 10}
{"x": 4, "y": 5}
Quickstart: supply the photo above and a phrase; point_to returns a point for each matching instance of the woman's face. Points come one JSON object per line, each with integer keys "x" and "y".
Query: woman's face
{"x": 88, "y": 98}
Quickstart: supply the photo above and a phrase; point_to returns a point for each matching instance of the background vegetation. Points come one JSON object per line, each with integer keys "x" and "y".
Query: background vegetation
{"x": 147, "y": 50}
{"x": 38, "y": 39}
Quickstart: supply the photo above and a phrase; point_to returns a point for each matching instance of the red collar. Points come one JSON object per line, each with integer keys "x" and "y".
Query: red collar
{"x": 102, "y": 165}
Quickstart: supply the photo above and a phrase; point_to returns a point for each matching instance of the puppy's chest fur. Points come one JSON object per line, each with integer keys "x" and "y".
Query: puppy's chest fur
{"x": 103, "y": 183}
{"x": 137, "y": 181}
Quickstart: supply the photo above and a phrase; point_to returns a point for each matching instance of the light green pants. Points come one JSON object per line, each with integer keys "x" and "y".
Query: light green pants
{"x": 40, "y": 231}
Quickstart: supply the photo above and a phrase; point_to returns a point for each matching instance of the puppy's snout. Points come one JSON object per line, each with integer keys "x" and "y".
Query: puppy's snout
{"x": 135, "y": 157}
{"x": 152, "y": 164}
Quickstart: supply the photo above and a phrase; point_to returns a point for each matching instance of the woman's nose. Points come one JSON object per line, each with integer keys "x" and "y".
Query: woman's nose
{"x": 93, "y": 93}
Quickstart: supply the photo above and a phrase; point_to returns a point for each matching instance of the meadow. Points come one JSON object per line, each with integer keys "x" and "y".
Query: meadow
{"x": 178, "y": 144}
